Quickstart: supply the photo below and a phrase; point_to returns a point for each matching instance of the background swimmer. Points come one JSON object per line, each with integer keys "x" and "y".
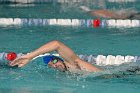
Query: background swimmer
{"x": 121, "y": 14}
{"x": 71, "y": 62}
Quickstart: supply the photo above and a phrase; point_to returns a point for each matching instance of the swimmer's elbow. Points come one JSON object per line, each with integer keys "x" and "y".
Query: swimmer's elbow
{"x": 56, "y": 42}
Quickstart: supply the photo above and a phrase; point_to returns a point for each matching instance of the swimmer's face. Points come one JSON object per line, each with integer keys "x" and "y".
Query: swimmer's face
{"x": 58, "y": 65}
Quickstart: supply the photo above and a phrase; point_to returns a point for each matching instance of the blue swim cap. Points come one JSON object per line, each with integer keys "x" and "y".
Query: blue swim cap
{"x": 49, "y": 58}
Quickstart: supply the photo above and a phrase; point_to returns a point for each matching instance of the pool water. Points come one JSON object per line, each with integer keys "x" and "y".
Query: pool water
{"x": 62, "y": 10}
{"x": 36, "y": 77}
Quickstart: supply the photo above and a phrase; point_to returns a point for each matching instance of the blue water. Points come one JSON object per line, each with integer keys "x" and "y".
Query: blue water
{"x": 36, "y": 77}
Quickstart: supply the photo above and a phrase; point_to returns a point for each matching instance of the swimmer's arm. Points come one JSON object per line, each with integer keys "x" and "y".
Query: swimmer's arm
{"x": 108, "y": 14}
{"x": 65, "y": 52}
{"x": 104, "y": 13}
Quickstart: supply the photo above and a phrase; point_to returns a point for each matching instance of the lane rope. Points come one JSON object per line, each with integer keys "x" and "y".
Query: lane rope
{"x": 100, "y": 60}
{"x": 69, "y": 22}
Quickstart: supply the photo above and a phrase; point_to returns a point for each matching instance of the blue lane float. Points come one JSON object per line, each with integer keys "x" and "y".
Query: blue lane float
{"x": 69, "y": 22}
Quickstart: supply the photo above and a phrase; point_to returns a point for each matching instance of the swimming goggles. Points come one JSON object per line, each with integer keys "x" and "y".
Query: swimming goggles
{"x": 55, "y": 60}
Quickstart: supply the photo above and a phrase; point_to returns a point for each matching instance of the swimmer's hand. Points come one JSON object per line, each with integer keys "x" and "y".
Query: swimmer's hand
{"x": 20, "y": 62}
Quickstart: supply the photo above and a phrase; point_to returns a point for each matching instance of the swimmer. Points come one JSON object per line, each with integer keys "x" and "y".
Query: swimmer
{"x": 121, "y": 14}
{"x": 71, "y": 62}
